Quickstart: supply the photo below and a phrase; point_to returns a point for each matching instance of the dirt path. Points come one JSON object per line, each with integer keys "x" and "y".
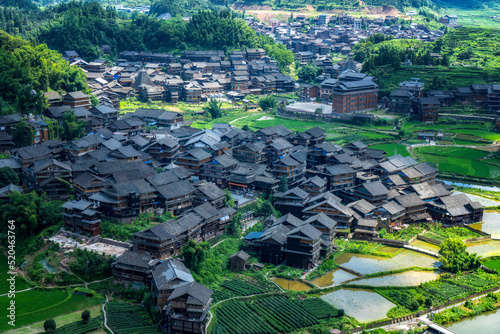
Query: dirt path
{"x": 62, "y": 287}
{"x": 105, "y": 316}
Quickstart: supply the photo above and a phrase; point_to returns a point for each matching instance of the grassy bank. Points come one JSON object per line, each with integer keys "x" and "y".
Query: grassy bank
{"x": 469, "y": 309}
{"x": 39, "y": 305}
{"x": 367, "y": 248}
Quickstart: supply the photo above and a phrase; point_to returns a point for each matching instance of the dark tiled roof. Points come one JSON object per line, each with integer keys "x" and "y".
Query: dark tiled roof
{"x": 211, "y": 191}
{"x": 135, "y": 259}
{"x": 176, "y": 189}
{"x": 197, "y": 293}
{"x": 307, "y": 230}
{"x": 241, "y": 255}
{"x": 171, "y": 274}
{"x": 409, "y": 200}
{"x": 321, "y": 219}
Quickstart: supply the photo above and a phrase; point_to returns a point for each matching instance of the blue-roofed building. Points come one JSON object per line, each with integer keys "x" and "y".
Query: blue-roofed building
{"x": 250, "y": 237}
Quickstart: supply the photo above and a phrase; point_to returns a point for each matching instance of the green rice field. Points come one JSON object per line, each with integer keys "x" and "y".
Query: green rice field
{"x": 459, "y": 160}
{"x": 4, "y": 285}
{"x": 373, "y": 135}
{"x": 39, "y": 305}
{"x": 493, "y": 264}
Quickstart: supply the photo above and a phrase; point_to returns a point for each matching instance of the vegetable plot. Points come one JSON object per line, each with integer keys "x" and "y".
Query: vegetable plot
{"x": 128, "y": 318}
{"x": 270, "y": 315}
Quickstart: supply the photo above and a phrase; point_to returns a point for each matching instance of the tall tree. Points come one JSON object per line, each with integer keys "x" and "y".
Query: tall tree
{"x": 8, "y": 176}
{"x": 309, "y": 72}
{"x": 267, "y": 102}
{"x": 455, "y": 258}
{"x": 72, "y": 128}
{"x": 86, "y": 316}
{"x": 49, "y": 325}
{"x": 283, "y": 184}
{"x": 213, "y": 108}
{"x": 194, "y": 253}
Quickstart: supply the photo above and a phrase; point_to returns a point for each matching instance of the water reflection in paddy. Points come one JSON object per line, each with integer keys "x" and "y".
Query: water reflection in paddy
{"x": 482, "y": 200}
{"x": 490, "y": 224}
{"x": 425, "y": 245}
{"x": 408, "y": 278}
{"x": 335, "y": 277}
{"x": 364, "y": 305}
{"x": 291, "y": 284}
{"x": 487, "y": 323}
{"x": 369, "y": 264}
{"x": 485, "y": 248}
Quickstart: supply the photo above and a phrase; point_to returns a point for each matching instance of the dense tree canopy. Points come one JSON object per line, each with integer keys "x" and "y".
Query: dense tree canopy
{"x": 455, "y": 258}
{"x": 213, "y": 108}
{"x": 86, "y": 26}
{"x": 179, "y": 7}
{"x": 28, "y": 71}
{"x": 267, "y": 102}
{"x": 31, "y": 212}
{"x": 89, "y": 265}
{"x": 194, "y": 253}
{"x": 309, "y": 72}
{"x": 8, "y": 176}
{"x": 21, "y": 4}
{"x": 72, "y": 128}
{"x": 49, "y": 325}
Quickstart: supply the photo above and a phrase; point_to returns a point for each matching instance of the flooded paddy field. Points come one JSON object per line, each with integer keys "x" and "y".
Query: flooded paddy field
{"x": 370, "y": 264}
{"x": 364, "y": 305}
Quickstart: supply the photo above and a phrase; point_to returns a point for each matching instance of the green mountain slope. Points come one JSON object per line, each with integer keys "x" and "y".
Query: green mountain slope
{"x": 28, "y": 71}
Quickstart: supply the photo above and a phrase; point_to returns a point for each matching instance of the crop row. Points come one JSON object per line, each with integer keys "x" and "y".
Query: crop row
{"x": 317, "y": 308}
{"x": 242, "y": 288}
{"x": 285, "y": 315}
{"x": 447, "y": 290}
{"x": 237, "y": 317}
{"x": 476, "y": 282}
{"x": 270, "y": 315}
{"x": 79, "y": 327}
{"x": 235, "y": 288}
{"x": 127, "y": 318}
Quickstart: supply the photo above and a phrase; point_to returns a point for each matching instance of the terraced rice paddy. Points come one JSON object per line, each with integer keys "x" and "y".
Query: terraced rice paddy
{"x": 485, "y": 248}
{"x": 461, "y": 161}
{"x": 490, "y": 224}
{"x": 291, "y": 284}
{"x": 369, "y": 264}
{"x": 364, "y": 305}
{"x": 407, "y": 278}
{"x": 335, "y": 277}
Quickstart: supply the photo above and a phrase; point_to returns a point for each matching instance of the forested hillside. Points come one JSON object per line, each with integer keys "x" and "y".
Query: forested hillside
{"x": 28, "y": 71}
{"x": 460, "y": 58}
{"x": 85, "y": 26}
{"x": 21, "y": 4}
{"x": 322, "y": 5}
{"x": 180, "y": 7}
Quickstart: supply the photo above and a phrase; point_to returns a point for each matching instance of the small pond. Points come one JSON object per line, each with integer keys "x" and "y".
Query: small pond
{"x": 407, "y": 278}
{"x": 335, "y": 277}
{"x": 291, "y": 284}
{"x": 364, "y": 305}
